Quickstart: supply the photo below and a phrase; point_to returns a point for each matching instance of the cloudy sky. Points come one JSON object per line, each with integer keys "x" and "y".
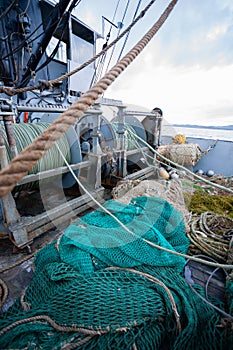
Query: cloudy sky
{"x": 187, "y": 68}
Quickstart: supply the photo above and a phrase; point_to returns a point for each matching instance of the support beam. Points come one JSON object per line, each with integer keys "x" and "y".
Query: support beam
{"x": 36, "y": 225}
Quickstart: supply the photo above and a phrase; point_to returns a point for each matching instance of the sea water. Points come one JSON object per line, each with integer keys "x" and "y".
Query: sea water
{"x": 199, "y": 132}
{"x": 218, "y": 141}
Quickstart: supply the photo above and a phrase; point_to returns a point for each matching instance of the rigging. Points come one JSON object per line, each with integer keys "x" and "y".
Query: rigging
{"x": 120, "y": 27}
{"x": 99, "y": 69}
{"x": 127, "y": 36}
{"x": 66, "y": 17}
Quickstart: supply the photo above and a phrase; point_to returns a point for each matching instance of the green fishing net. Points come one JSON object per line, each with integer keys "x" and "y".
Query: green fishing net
{"x": 102, "y": 286}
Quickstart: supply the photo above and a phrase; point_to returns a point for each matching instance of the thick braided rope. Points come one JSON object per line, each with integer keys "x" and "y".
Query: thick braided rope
{"x": 3, "y": 292}
{"x": 72, "y": 346}
{"x": 48, "y": 84}
{"x": 60, "y": 328}
{"x": 20, "y": 165}
{"x": 65, "y": 328}
{"x": 88, "y": 331}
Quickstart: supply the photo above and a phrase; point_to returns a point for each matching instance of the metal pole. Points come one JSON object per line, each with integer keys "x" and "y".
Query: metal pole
{"x": 7, "y": 119}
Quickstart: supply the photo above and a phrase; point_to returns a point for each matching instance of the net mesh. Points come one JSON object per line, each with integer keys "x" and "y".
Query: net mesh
{"x": 102, "y": 287}
{"x": 183, "y": 154}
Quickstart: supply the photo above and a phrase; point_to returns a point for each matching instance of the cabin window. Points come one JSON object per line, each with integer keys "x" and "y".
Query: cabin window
{"x": 61, "y": 54}
{"x": 81, "y": 50}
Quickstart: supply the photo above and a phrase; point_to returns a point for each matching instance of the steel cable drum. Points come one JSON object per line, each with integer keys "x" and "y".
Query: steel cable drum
{"x": 89, "y": 125}
{"x": 132, "y": 126}
{"x": 24, "y": 135}
{"x": 74, "y": 145}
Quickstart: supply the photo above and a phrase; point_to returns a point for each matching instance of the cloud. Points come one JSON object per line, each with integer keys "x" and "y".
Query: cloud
{"x": 198, "y": 32}
{"x": 193, "y": 93}
{"x": 186, "y": 69}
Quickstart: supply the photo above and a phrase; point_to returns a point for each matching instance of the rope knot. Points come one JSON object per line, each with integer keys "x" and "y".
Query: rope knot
{"x": 7, "y": 91}
{"x": 45, "y": 85}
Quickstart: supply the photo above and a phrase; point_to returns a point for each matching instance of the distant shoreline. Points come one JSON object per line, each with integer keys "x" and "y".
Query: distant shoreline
{"x": 224, "y": 127}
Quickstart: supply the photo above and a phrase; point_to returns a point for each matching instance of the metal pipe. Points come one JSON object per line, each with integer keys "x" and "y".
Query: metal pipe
{"x": 53, "y": 172}
{"x": 147, "y": 114}
{"x": 3, "y": 154}
{"x": 10, "y": 134}
{"x": 42, "y": 109}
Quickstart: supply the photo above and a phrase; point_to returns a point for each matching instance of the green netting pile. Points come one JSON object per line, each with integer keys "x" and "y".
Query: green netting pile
{"x": 101, "y": 287}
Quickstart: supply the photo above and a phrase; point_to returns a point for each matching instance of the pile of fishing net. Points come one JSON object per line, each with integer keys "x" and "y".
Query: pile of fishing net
{"x": 171, "y": 191}
{"x": 104, "y": 287}
{"x": 187, "y": 154}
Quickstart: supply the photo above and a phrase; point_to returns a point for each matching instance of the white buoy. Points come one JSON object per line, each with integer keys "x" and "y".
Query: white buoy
{"x": 199, "y": 172}
{"x": 174, "y": 176}
{"x": 210, "y": 173}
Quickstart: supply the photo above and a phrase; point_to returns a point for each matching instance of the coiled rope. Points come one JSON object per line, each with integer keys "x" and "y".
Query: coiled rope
{"x": 20, "y": 165}
{"x": 50, "y": 83}
{"x": 24, "y": 135}
{"x": 209, "y": 234}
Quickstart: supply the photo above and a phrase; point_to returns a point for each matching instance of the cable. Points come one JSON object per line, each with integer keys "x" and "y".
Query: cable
{"x": 209, "y": 279}
{"x": 127, "y": 36}
{"x": 113, "y": 49}
{"x": 20, "y": 46}
{"x": 41, "y": 98}
{"x": 51, "y": 57}
{"x": 210, "y": 304}
{"x": 66, "y": 18}
{"x": 26, "y": 8}
{"x": 100, "y": 64}
{"x": 183, "y": 168}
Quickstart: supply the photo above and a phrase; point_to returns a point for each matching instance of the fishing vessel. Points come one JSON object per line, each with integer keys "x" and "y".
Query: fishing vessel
{"x": 101, "y": 243}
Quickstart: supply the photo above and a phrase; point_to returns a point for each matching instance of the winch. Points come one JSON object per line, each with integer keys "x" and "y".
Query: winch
{"x": 99, "y": 149}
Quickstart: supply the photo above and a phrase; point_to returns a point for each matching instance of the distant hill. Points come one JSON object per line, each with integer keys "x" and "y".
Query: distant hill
{"x": 223, "y": 127}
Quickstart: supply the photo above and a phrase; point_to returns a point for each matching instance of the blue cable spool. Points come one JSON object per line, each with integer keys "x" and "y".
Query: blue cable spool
{"x": 87, "y": 127}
